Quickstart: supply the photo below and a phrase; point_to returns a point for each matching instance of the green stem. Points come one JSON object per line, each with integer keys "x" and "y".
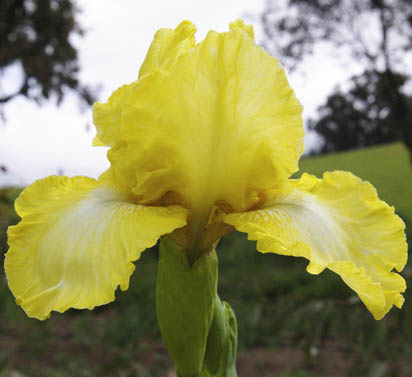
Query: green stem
{"x": 185, "y": 299}
{"x": 198, "y": 329}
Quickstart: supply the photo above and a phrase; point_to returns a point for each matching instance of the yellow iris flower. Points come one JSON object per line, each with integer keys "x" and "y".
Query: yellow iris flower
{"x": 203, "y": 142}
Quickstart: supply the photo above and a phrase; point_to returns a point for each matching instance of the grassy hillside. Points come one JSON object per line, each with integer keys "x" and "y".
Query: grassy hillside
{"x": 291, "y": 324}
{"x": 387, "y": 167}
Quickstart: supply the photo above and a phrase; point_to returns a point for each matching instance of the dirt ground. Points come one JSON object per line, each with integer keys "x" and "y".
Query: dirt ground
{"x": 51, "y": 355}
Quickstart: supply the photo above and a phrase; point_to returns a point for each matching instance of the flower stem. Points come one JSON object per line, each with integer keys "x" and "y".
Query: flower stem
{"x": 198, "y": 329}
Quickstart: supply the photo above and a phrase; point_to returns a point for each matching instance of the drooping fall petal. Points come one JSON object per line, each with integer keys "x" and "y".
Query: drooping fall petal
{"x": 76, "y": 243}
{"x": 338, "y": 223}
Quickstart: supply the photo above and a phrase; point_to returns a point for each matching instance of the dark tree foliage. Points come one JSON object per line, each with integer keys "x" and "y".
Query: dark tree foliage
{"x": 378, "y": 34}
{"x": 37, "y": 35}
{"x": 362, "y": 116}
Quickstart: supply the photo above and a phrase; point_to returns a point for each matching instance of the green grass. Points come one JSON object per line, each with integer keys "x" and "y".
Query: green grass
{"x": 387, "y": 167}
{"x": 281, "y": 310}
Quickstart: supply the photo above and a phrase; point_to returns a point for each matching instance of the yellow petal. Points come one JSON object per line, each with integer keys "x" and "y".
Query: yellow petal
{"x": 218, "y": 122}
{"x": 339, "y": 223}
{"x": 75, "y": 243}
{"x": 107, "y": 118}
{"x": 167, "y": 45}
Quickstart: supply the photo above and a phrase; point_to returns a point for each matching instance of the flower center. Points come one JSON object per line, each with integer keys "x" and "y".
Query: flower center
{"x": 203, "y": 231}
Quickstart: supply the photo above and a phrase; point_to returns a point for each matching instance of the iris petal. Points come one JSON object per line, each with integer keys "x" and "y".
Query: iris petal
{"x": 167, "y": 46}
{"x": 218, "y": 122}
{"x": 76, "y": 243}
{"x": 339, "y": 223}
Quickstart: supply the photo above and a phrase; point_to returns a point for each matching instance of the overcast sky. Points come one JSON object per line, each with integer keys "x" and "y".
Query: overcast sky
{"x": 39, "y": 141}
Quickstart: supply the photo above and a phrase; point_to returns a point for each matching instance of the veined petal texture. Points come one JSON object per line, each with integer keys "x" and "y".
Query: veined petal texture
{"x": 214, "y": 122}
{"x": 76, "y": 243}
{"x": 338, "y": 223}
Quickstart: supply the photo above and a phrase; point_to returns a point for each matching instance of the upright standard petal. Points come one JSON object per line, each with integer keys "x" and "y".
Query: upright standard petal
{"x": 213, "y": 124}
{"x": 167, "y": 45}
{"x": 339, "y": 223}
{"x": 76, "y": 243}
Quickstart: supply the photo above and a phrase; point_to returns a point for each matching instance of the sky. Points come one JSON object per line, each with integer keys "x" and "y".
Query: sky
{"x": 39, "y": 141}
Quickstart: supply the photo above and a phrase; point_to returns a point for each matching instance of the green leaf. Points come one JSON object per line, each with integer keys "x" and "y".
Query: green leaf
{"x": 220, "y": 358}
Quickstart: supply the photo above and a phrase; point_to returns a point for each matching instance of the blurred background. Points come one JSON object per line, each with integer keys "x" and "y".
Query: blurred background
{"x": 350, "y": 65}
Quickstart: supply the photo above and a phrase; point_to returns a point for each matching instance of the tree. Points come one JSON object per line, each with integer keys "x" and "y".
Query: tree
{"x": 377, "y": 33}
{"x": 37, "y": 35}
{"x": 363, "y": 115}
